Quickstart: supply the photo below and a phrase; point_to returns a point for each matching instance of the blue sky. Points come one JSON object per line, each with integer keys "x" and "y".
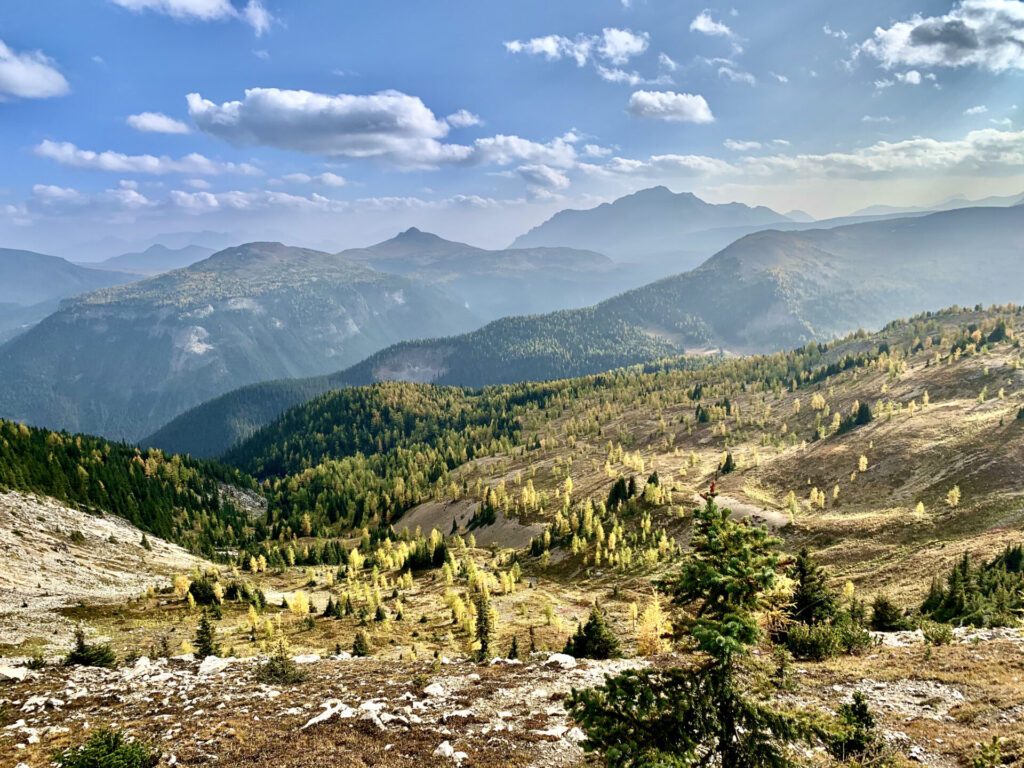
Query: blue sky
{"x": 336, "y": 123}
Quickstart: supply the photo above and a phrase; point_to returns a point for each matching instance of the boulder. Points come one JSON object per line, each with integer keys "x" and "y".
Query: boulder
{"x": 212, "y": 665}
{"x": 563, "y": 660}
{"x": 14, "y": 674}
{"x": 434, "y": 690}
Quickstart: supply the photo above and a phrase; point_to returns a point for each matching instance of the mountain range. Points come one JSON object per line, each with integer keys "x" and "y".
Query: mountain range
{"x": 156, "y": 259}
{"x": 122, "y": 361}
{"x": 495, "y": 284}
{"x": 765, "y": 292}
{"x": 653, "y": 224}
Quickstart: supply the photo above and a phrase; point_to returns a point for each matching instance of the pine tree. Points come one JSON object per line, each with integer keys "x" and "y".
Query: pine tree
{"x": 361, "y": 644}
{"x": 812, "y": 602}
{"x": 513, "y": 650}
{"x": 593, "y": 640}
{"x": 485, "y": 629}
{"x": 700, "y": 716}
{"x": 206, "y": 644}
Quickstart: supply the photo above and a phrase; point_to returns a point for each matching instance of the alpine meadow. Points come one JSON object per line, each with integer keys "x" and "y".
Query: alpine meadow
{"x": 593, "y": 384}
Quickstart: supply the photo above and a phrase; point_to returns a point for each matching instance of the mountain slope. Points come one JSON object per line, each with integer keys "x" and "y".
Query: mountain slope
{"x": 32, "y": 284}
{"x": 157, "y": 259}
{"x": 495, "y": 284}
{"x": 651, "y": 223}
{"x": 122, "y": 361}
{"x": 765, "y": 292}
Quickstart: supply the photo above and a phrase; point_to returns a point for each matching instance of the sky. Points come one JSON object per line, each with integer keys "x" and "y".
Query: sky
{"x": 335, "y": 123}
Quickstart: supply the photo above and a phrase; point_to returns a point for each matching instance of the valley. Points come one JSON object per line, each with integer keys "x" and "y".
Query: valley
{"x": 390, "y": 507}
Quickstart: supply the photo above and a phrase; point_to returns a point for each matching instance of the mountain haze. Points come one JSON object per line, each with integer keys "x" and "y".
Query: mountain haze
{"x": 121, "y": 361}
{"x": 653, "y": 223}
{"x": 765, "y": 292}
{"x": 494, "y": 284}
{"x": 157, "y": 259}
{"x": 32, "y": 284}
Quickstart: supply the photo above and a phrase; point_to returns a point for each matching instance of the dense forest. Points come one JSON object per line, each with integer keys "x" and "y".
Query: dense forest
{"x": 174, "y": 497}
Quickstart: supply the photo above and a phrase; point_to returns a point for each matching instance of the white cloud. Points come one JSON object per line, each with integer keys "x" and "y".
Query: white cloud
{"x": 613, "y": 45}
{"x": 839, "y": 34}
{"x": 876, "y": 119}
{"x": 985, "y": 33}
{"x": 326, "y": 179}
{"x": 981, "y": 109}
{"x": 910, "y": 77}
{"x": 780, "y": 142}
{"x": 543, "y": 176}
{"x": 389, "y": 125}
{"x": 197, "y": 183}
{"x": 669, "y": 105}
{"x": 156, "y": 122}
{"x": 594, "y": 150}
{"x": 619, "y": 45}
{"x": 204, "y": 10}
{"x": 741, "y": 146}
{"x": 463, "y": 118}
{"x": 58, "y": 200}
{"x": 253, "y": 13}
{"x": 616, "y": 75}
{"x": 68, "y": 154}
{"x": 667, "y": 62}
{"x": 780, "y": 78}
{"x": 736, "y": 76}
{"x": 704, "y": 24}
{"x": 29, "y": 75}
{"x": 257, "y": 17}
{"x": 554, "y": 47}
{"x": 983, "y": 152}
{"x": 1003, "y": 122}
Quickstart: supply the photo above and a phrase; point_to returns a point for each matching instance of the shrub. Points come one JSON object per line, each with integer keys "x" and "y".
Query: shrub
{"x": 817, "y": 643}
{"x": 85, "y": 655}
{"x": 280, "y": 669}
{"x": 886, "y": 616}
{"x": 37, "y": 661}
{"x": 108, "y": 749}
{"x": 936, "y": 633}
{"x": 856, "y": 733}
{"x": 203, "y": 592}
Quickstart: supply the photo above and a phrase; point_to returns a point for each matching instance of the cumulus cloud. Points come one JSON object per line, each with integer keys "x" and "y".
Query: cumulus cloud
{"x": 463, "y": 119}
{"x": 839, "y": 34}
{"x": 978, "y": 110}
{"x": 29, "y": 75}
{"x": 741, "y": 146}
{"x": 253, "y": 13}
{"x": 668, "y": 62}
{"x": 389, "y": 125}
{"x": 614, "y": 45}
{"x": 195, "y": 164}
{"x": 326, "y": 179}
{"x": 706, "y": 25}
{"x": 669, "y": 105}
{"x": 911, "y": 77}
{"x": 984, "y": 33}
{"x": 156, "y": 122}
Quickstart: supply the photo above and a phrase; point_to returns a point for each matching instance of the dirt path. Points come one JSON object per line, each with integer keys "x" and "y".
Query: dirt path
{"x": 745, "y": 510}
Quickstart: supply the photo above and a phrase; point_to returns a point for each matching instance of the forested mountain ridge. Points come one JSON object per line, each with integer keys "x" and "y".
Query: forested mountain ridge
{"x": 174, "y": 497}
{"x": 122, "y": 361}
{"x": 767, "y": 291}
{"x": 515, "y": 281}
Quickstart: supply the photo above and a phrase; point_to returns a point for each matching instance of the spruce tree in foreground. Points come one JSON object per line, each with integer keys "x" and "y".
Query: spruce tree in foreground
{"x": 361, "y": 644}
{"x": 700, "y": 716}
